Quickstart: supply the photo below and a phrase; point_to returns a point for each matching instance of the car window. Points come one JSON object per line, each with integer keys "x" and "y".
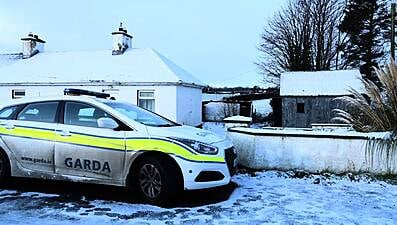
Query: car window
{"x": 39, "y": 112}
{"x": 140, "y": 115}
{"x": 80, "y": 114}
{"x": 7, "y": 112}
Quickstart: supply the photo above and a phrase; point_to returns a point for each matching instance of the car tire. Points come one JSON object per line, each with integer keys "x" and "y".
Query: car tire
{"x": 156, "y": 181}
{"x": 4, "y": 167}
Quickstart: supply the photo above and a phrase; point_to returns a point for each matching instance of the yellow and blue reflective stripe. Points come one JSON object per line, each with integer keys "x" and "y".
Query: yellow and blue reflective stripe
{"x": 110, "y": 143}
{"x": 93, "y": 141}
{"x": 29, "y": 132}
{"x": 170, "y": 147}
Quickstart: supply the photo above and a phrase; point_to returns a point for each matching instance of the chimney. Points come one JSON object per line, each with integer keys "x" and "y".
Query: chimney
{"x": 31, "y": 45}
{"x": 121, "y": 41}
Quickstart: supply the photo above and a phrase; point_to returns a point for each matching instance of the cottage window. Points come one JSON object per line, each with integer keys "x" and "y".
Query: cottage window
{"x": 300, "y": 107}
{"x": 18, "y": 93}
{"x": 146, "y": 100}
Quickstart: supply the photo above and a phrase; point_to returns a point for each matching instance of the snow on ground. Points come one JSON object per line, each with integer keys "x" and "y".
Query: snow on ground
{"x": 261, "y": 198}
{"x": 216, "y": 127}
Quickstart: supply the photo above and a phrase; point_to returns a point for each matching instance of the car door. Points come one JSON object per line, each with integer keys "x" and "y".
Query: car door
{"x": 83, "y": 149}
{"x": 30, "y": 135}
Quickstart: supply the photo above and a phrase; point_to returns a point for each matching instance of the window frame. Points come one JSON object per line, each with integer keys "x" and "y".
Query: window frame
{"x": 23, "y": 107}
{"x": 14, "y": 91}
{"x": 146, "y": 98}
{"x": 300, "y": 107}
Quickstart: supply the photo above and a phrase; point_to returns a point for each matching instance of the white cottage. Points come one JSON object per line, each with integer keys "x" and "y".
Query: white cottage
{"x": 140, "y": 76}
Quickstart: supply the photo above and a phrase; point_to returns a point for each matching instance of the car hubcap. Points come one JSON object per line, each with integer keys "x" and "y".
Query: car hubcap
{"x": 150, "y": 181}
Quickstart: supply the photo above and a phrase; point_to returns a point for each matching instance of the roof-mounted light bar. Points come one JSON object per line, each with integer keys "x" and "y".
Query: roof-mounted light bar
{"x": 79, "y": 92}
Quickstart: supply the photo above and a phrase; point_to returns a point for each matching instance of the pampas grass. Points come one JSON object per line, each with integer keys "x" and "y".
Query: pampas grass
{"x": 377, "y": 109}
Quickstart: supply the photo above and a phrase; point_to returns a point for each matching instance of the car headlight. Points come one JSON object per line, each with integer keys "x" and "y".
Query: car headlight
{"x": 198, "y": 146}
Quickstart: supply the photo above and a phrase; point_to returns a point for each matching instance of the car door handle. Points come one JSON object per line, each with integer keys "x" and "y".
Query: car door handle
{"x": 64, "y": 133}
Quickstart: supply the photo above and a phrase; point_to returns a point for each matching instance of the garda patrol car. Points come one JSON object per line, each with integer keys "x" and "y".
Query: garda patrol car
{"x": 96, "y": 140}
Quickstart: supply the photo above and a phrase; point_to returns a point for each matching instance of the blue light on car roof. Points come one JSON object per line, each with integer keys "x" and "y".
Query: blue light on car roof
{"x": 78, "y": 92}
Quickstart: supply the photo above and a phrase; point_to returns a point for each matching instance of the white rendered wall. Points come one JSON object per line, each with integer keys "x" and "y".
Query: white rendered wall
{"x": 165, "y": 96}
{"x": 312, "y": 154}
{"x": 189, "y": 105}
{"x": 177, "y": 103}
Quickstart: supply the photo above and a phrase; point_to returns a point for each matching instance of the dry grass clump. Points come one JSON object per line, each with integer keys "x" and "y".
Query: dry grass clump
{"x": 377, "y": 109}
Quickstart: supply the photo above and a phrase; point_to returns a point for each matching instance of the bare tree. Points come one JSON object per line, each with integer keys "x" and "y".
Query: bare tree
{"x": 303, "y": 36}
{"x": 326, "y": 16}
{"x": 227, "y": 110}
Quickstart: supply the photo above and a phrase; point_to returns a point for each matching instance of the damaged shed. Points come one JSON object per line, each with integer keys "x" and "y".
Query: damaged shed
{"x": 308, "y": 97}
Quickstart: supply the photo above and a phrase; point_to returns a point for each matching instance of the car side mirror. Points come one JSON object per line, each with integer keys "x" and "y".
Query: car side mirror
{"x": 108, "y": 123}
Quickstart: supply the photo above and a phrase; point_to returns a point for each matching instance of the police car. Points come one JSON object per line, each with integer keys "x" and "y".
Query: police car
{"x": 93, "y": 139}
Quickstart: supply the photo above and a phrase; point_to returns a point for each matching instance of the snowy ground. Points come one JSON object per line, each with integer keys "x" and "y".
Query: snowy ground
{"x": 260, "y": 198}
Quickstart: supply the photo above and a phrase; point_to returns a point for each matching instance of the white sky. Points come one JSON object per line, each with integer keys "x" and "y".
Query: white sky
{"x": 214, "y": 40}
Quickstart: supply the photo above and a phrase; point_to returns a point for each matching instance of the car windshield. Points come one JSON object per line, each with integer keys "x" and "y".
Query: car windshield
{"x": 141, "y": 115}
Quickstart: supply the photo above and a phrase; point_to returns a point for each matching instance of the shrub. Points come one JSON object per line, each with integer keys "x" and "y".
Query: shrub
{"x": 376, "y": 110}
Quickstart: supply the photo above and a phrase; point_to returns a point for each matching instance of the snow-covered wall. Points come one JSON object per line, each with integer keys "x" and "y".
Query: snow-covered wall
{"x": 309, "y": 150}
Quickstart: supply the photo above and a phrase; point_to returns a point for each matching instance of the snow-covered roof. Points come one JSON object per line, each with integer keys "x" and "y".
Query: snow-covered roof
{"x": 8, "y": 59}
{"x": 134, "y": 66}
{"x": 320, "y": 83}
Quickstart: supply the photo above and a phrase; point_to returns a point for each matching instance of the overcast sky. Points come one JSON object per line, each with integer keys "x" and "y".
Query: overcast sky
{"x": 215, "y": 40}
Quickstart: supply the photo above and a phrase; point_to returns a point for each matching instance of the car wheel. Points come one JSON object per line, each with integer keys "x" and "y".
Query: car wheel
{"x": 4, "y": 167}
{"x": 156, "y": 181}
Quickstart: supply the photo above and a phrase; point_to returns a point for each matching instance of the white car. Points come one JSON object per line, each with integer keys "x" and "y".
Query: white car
{"x": 96, "y": 140}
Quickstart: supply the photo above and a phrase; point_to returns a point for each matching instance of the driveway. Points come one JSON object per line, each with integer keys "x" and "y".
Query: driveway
{"x": 255, "y": 198}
